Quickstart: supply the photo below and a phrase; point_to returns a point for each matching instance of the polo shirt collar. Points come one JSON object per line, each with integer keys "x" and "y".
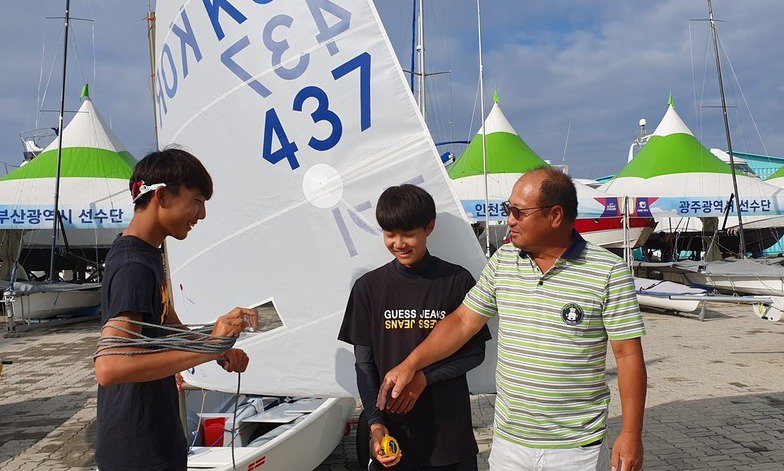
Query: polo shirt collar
{"x": 573, "y": 252}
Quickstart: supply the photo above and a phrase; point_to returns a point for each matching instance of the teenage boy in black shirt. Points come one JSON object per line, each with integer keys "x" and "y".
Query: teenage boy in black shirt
{"x": 390, "y": 311}
{"x": 138, "y": 413}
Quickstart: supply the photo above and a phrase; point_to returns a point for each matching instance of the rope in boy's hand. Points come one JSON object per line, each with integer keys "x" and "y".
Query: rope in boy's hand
{"x": 198, "y": 340}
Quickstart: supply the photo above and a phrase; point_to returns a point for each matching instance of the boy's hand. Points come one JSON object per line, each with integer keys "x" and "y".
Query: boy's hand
{"x": 234, "y": 361}
{"x": 408, "y": 397}
{"x": 231, "y": 324}
{"x": 394, "y": 381}
{"x": 377, "y": 432}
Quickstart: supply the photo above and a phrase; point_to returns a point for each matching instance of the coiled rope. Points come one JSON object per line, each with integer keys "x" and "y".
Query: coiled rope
{"x": 196, "y": 338}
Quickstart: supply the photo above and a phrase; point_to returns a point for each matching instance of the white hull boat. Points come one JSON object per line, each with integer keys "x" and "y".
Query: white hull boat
{"x": 764, "y": 277}
{"x": 742, "y": 284}
{"x": 31, "y": 300}
{"x": 303, "y": 439}
{"x": 656, "y": 294}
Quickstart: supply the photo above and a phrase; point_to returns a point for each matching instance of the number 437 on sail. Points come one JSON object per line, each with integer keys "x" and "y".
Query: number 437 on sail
{"x": 273, "y": 128}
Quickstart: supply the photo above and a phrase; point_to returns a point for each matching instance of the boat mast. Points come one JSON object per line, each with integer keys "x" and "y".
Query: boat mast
{"x": 59, "y": 148}
{"x": 742, "y": 241}
{"x": 151, "y": 42}
{"x": 484, "y": 127}
{"x": 164, "y": 253}
{"x": 421, "y": 58}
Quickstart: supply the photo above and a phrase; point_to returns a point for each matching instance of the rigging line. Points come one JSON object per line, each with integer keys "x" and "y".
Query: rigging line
{"x": 38, "y": 102}
{"x": 704, "y": 81}
{"x": 754, "y": 122}
{"x": 198, "y": 423}
{"x": 442, "y": 115}
{"x": 473, "y": 114}
{"x": 51, "y": 71}
{"x": 234, "y": 421}
{"x": 76, "y": 51}
{"x": 693, "y": 76}
{"x": 92, "y": 25}
{"x": 450, "y": 104}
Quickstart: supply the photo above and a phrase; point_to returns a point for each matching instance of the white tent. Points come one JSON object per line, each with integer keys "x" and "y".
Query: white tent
{"x": 94, "y": 173}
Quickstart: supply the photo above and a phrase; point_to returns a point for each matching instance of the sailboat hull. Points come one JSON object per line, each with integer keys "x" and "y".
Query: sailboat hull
{"x": 655, "y": 294}
{"x": 47, "y": 304}
{"x": 763, "y": 286}
{"x": 303, "y": 446}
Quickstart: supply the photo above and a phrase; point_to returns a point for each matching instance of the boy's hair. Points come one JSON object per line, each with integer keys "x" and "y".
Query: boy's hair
{"x": 405, "y": 207}
{"x": 171, "y": 166}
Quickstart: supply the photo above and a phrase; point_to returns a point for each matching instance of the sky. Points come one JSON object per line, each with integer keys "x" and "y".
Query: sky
{"x": 586, "y": 69}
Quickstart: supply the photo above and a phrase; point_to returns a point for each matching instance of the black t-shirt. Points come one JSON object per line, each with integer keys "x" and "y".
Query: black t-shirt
{"x": 139, "y": 424}
{"x": 392, "y": 310}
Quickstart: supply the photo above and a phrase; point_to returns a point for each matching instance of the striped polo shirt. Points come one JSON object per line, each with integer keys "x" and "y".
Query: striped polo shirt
{"x": 552, "y": 340}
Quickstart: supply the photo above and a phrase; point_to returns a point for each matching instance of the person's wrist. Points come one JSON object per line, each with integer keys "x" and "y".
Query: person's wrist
{"x": 410, "y": 364}
{"x": 378, "y": 426}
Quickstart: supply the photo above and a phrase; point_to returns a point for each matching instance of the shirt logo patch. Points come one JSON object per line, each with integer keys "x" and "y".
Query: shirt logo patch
{"x": 572, "y": 314}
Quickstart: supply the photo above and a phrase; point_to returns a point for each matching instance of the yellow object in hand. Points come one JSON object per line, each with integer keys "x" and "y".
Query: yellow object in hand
{"x": 389, "y": 446}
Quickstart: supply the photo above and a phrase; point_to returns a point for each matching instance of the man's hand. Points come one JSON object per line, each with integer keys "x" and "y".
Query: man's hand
{"x": 395, "y": 380}
{"x": 408, "y": 397}
{"x": 231, "y": 324}
{"x": 627, "y": 450}
{"x": 377, "y": 432}
{"x": 234, "y": 361}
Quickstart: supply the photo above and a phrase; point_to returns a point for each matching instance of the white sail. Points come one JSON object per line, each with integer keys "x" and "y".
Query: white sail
{"x": 301, "y": 114}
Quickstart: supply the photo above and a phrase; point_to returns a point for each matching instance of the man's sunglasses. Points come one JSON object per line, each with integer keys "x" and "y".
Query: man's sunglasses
{"x": 522, "y": 213}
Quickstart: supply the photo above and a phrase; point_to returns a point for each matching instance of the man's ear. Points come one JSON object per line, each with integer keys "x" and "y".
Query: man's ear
{"x": 558, "y": 216}
{"x": 160, "y": 195}
{"x": 429, "y": 228}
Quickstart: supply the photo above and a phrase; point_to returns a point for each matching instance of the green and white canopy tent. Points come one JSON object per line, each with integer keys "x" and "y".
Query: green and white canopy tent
{"x": 508, "y": 158}
{"x": 95, "y": 170}
{"x": 674, "y": 163}
{"x": 777, "y": 178}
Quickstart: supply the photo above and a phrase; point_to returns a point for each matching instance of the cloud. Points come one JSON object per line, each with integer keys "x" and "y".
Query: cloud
{"x": 599, "y": 65}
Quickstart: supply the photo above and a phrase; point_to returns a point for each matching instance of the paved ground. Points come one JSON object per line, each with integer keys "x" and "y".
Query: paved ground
{"x": 715, "y": 398}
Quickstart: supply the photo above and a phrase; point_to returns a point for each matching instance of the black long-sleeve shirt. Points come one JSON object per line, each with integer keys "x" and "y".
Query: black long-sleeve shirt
{"x": 369, "y": 380}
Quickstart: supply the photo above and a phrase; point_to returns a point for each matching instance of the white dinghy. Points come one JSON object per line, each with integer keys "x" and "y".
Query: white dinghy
{"x": 657, "y": 294}
{"x": 301, "y": 113}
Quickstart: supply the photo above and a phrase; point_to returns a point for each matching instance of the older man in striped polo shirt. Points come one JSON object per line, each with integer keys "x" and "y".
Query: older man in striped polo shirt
{"x": 558, "y": 299}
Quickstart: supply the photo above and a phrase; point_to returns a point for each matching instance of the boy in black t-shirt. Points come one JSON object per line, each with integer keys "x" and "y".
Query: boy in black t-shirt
{"x": 390, "y": 311}
{"x": 138, "y": 411}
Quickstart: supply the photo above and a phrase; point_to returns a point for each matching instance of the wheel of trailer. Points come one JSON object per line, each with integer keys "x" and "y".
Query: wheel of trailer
{"x": 363, "y": 440}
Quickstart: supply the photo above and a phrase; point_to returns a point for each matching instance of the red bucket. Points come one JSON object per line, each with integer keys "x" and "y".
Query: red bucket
{"x": 212, "y": 431}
